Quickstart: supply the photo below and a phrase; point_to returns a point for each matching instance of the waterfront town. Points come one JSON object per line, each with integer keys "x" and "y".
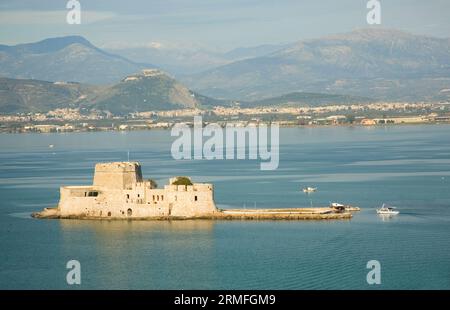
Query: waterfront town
{"x": 76, "y": 120}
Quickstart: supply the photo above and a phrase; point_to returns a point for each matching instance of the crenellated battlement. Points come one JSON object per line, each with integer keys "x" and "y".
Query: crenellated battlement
{"x": 196, "y": 187}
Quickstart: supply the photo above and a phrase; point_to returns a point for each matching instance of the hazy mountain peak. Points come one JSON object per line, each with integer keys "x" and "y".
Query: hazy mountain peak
{"x": 370, "y": 33}
{"x": 363, "y": 36}
{"x": 48, "y": 45}
{"x": 375, "y": 62}
{"x": 150, "y": 89}
{"x": 69, "y": 58}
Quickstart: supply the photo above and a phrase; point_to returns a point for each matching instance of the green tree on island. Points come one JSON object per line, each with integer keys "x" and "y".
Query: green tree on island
{"x": 182, "y": 181}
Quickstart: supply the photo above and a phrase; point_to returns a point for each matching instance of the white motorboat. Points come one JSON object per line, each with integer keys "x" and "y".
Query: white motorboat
{"x": 337, "y": 205}
{"x": 387, "y": 210}
{"x": 340, "y": 206}
{"x": 309, "y": 189}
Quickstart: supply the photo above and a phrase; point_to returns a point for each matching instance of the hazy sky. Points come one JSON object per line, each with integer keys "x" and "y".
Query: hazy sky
{"x": 214, "y": 24}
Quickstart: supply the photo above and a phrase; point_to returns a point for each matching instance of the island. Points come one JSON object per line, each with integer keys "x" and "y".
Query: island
{"x": 120, "y": 192}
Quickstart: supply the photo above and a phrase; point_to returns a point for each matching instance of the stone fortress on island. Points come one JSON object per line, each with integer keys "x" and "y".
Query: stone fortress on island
{"x": 120, "y": 192}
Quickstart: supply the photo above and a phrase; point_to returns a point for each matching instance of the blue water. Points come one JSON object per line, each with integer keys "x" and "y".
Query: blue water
{"x": 406, "y": 166}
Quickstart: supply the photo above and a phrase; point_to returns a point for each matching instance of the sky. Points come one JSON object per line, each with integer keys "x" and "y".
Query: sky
{"x": 212, "y": 24}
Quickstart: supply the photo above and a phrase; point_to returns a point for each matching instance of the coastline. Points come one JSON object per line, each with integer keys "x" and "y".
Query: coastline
{"x": 281, "y": 126}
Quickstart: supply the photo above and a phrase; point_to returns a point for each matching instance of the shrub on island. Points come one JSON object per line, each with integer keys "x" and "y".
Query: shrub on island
{"x": 182, "y": 181}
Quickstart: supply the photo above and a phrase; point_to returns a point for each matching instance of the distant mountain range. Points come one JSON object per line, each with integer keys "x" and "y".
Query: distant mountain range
{"x": 71, "y": 58}
{"x": 149, "y": 90}
{"x": 41, "y": 96}
{"x": 304, "y": 99}
{"x": 362, "y": 66}
{"x": 185, "y": 61}
{"x": 377, "y": 63}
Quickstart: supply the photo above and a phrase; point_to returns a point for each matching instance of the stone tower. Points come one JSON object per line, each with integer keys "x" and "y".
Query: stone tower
{"x": 119, "y": 175}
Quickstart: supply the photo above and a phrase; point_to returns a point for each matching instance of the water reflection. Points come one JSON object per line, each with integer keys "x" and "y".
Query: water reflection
{"x": 124, "y": 226}
{"x": 387, "y": 217}
{"x": 163, "y": 253}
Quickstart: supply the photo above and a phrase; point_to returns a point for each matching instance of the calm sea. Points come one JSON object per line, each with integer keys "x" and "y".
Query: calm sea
{"x": 405, "y": 166}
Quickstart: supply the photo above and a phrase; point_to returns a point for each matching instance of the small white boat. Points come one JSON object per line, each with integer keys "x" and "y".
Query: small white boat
{"x": 340, "y": 206}
{"x": 387, "y": 210}
{"x": 336, "y": 205}
{"x": 309, "y": 189}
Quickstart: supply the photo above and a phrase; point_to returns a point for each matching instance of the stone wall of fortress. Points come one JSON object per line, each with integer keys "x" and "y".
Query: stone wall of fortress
{"x": 118, "y": 191}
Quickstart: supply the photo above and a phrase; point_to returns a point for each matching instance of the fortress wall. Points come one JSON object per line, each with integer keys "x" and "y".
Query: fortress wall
{"x": 191, "y": 202}
{"x": 73, "y": 202}
{"x": 157, "y": 199}
{"x": 141, "y": 202}
{"x": 138, "y": 195}
{"x": 133, "y": 210}
{"x": 203, "y": 187}
{"x": 170, "y": 187}
{"x": 108, "y": 204}
{"x": 70, "y": 198}
{"x": 151, "y": 202}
